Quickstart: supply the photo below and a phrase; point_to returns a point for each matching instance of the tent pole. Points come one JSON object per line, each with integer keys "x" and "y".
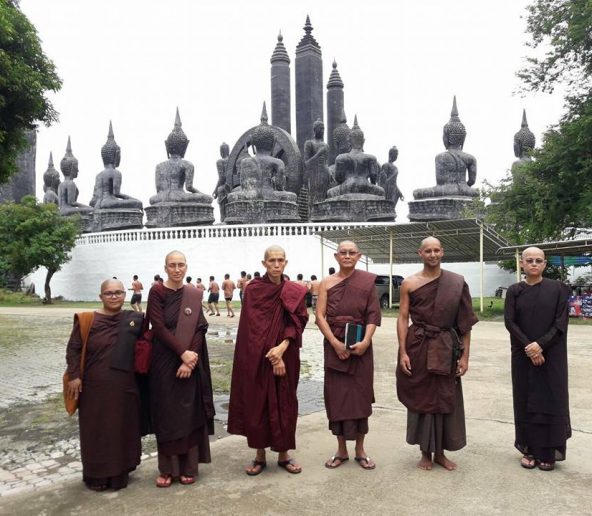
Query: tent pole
{"x": 481, "y": 266}
{"x": 322, "y": 257}
{"x": 391, "y": 269}
{"x": 517, "y": 256}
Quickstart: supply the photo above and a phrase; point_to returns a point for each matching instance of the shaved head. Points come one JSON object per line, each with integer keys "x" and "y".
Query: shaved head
{"x": 273, "y": 249}
{"x": 533, "y": 251}
{"x": 348, "y": 243}
{"x": 174, "y": 253}
{"x": 430, "y": 241}
{"x": 111, "y": 283}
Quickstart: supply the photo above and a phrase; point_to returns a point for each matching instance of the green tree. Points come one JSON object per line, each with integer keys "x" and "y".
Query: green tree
{"x": 26, "y": 75}
{"x": 540, "y": 200}
{"x": 35, "y": 235}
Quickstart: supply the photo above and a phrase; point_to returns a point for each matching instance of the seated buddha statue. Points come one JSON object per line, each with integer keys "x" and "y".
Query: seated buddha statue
{"x": 68, "y": 191}
{"x": 356, "y": 172}
{"x": 453, "y": 165}
{"x": 174, "y": 177}
{"x": 524, "y": 142}
{"x": 51, "y": 183}
{"x": 107, "y": 192}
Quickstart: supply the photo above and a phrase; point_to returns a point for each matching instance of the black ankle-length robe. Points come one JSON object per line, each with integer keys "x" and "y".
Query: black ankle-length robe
{"x": 538, "y": 313}
{"x": 264, "y": 407}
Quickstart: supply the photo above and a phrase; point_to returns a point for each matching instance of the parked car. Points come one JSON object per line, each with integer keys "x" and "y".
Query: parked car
{"x": 382, "y": 289}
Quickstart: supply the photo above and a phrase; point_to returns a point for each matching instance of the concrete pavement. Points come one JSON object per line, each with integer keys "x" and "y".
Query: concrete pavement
{"x": 489, "y": 479}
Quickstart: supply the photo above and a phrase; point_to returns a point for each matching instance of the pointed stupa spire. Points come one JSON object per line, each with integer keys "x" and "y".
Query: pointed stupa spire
{"x": 280, "y": 53}
{"x": 50, "y": 163}
{"x": 524, "y": 121}
{"x": 343, "y": 118}
{"x": 178, "y": 123}
{"x": 356, "y": 126}
{"x": 334, "y": 79}
{"x": 308, "y": 38}
{"x": 110, "y": 135}
{"x": 69, "y": 147}
{"x": 525, "y": 136}
{"x": 264, "y": 118}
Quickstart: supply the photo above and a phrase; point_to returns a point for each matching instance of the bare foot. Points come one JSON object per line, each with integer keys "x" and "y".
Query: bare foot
{"x": 440, "y": 458}
{"x": 425, "y": 462}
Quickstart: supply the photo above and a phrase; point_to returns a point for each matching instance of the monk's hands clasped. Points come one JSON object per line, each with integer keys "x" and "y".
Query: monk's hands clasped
{"x": 190, "y": 359}
{"x": 279, "y": 368}
{"x": 275, "y": 354}
{"x": 342, "y": 352}
{"x": 359, "y": 348}
{"x": 74, "y": 388}
{"x": 184, "y": 371}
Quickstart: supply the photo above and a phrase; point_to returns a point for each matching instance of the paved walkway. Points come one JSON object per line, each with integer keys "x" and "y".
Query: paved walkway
{"x": 489, "y": 479}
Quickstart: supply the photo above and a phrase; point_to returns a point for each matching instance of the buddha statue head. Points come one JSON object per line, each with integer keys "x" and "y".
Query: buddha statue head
{"x": 341, "y": 135}
{"x": 318, "y": 129}
{"x": 111, "y": 152}
{"x": 263, "y": 137}
{"x": 356, "y": 136}
{"x": 393, "y": 154}
{"x": 454, "y": 132}
{"x": 69, "y": 164}
{"x": 51, "y": 177}
{"x": 176, "y": 142}
{"x": 524, "y": 140}
{"x": 224, "y": 150}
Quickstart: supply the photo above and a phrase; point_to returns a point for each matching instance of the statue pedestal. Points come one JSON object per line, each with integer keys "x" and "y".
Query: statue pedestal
{"x": 261, "y": 211}
{"x": 171, "y": 214}
{"x": 117, "y": 218}
{"x": 353, "y": 210}
{"x": 438, "y": 208}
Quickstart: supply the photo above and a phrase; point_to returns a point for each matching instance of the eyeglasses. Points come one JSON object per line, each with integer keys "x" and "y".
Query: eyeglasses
{"x": 348, "y": 253}
{"x": 530, "y": 261}
{"x": 113, "y": 293}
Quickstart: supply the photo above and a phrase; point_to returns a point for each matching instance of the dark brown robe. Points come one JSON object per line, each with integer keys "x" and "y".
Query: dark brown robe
{"x": 109, "y": 405}
{"x": 264, "y": 407}
{"x": 349, "y": 384}
{"x": 538, "y": 313}
{"x": 181, "y": 409}
{"x": 435, "y": 418}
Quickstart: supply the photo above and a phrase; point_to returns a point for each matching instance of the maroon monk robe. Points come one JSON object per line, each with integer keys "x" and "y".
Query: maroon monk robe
{"x": 109, "y": 406}
{"x": 435, "y": 418}
{"x": 349, "y": 389}
{"x": 264, "y": 407}
{"x": 538, "y": 313}
{"x": 181, "y": 409}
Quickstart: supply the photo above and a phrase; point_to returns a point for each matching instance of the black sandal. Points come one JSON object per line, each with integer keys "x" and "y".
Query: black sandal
{"x": 261, "y": 464}
{"x": 528, "y": 461}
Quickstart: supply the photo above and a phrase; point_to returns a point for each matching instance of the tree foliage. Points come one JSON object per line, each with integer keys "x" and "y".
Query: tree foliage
{"x": 35, "y": 235}
{"x": 542, "y": 199}
{"x": 26, "y": 75}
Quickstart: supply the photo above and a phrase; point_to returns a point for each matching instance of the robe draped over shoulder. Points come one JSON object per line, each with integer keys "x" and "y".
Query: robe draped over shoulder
{"x": 264, "y": 407}
{"x": 424, "y": 391}
{"x": 539, "y": 313}
{"x": 349, "y": 390}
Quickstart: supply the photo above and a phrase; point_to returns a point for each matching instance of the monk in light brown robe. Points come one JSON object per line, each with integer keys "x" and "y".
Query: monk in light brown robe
{"x": 263, "y": 402}
{"x": 181, "y": 401}
{"x": 536, "y": 316}
{"x": 348, "y": 296}
{"x": 108, "y": 398}
{"x": 433, "y": 355}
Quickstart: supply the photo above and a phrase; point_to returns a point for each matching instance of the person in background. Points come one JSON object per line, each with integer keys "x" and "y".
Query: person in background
{"x": 228, "y": 287}
{"x": 214, "y": 296}
{"x": 137, "y": 288}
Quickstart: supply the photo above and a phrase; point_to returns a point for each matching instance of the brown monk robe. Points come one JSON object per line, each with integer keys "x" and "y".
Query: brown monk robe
{"x": 182, "y": 409}
{"x": 349, "y": 390}
{"x": 264, "y": 406}
{"x": 436, "y": 419}
{"x": 538, "y": 313}
{"x": 109, "y": 404}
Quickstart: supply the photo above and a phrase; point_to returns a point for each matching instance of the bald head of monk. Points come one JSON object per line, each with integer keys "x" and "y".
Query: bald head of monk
{"x": 175, "y": 265}
{"x": 431, "y": 252}
{"x": 274, "y": 261}
{"x": 112, "y": 295}
{"x": 533, "y": 264}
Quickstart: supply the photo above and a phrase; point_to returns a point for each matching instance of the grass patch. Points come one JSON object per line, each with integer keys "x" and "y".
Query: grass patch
{"x": 221, "y": 375}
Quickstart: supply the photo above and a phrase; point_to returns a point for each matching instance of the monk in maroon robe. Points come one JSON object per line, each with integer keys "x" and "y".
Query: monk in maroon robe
{"x": 348, "y": 296}
{"x": 433, "y": 355}
{"x": 108, "y": 399}
{"x": 536, "y": 315}
{"x": 266, "y": 369}
{"x": 181, "y": 401}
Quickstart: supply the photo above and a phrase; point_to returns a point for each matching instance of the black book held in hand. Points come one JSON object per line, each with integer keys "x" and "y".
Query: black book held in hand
{"x": 354, "y": 333}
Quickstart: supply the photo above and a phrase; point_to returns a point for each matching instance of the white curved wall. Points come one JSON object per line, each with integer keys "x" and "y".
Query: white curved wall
{"x": 214, "y": 250}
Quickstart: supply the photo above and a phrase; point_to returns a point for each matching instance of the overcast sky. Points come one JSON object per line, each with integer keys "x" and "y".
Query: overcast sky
{"x": 135, "y": 61}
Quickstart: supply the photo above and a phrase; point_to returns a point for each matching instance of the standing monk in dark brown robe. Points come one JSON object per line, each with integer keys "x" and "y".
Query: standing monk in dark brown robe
{"x": 109, "y": 403}
{"x": 433, "y": 355}
{"x": 263, "y": 402}
{"x": 536, "y": 316}
{"x": 348, "y": 296}
{"x": 181, "y": 402}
